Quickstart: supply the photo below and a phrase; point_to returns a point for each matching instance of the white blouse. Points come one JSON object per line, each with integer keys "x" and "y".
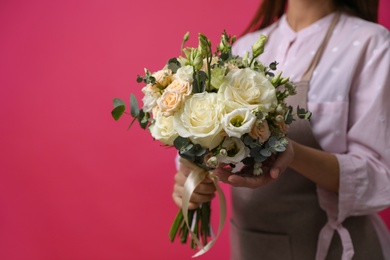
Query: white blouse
{"x": 349, "y": 97}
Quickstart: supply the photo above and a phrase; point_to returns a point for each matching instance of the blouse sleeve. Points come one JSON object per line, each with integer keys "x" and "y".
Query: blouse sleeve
{"x": 365, "y": 167}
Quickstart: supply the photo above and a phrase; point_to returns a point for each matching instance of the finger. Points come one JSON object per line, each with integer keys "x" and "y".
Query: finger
{"x": 200, "y": 194}
{"x": 282, "y": 161}
{"x": 195, "y": 196}
{"x": 179, "y": 202}
{"x": 205, "y": 189}
{"x": 187, "y": 167}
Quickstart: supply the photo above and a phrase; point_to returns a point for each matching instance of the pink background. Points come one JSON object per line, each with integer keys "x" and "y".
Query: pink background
{"x": 75, "y": 184}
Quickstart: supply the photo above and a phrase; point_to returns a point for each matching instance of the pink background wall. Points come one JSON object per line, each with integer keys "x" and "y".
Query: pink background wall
{"x": 74, "y": 184}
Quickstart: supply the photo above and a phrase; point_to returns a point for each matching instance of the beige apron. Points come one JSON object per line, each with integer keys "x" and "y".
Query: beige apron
{"x": 282, "y": 220}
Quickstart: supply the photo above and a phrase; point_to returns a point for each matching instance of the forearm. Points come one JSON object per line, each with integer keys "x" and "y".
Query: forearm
{"x": 318, "y": 166}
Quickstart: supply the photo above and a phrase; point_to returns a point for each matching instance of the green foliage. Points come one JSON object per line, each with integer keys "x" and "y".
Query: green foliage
{"x": 119, "y": 108}
{"x": 173, "y": 65}
{"x": 199, "y": 83}
{"x": 289, "y": 117}
{"x": 143, "y": 119}
{"x": 147, "y": 79}
{"x": 190, "y": 151}
{"x": 303, "y": 113}
{"x": 134, "y": 108}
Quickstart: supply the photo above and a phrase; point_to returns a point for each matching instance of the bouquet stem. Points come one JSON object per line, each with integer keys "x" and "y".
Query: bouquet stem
{"x": 199, "y": 221}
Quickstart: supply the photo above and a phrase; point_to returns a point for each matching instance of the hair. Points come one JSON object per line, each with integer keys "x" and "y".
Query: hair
{"x": 271, "y": 10}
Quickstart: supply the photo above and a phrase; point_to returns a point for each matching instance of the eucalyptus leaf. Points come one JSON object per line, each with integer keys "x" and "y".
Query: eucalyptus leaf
{"x": 265, "y": 153}
{"x": 248, "y": 140}
{"x": 280, "y": 149}
{"x": 272, "y": 141}
{"x": 173, "y": 65}
{"x": 180, "y": 142}
{"x": 143, "y": 119}
{"x": 225, "y": 56}
{"x": 118, "y": 102}
{"x": 118, "y": 111}
{"x": 259, "y": 158}
{"x": 134, "y": 109}
{"x": 199, "y": 150}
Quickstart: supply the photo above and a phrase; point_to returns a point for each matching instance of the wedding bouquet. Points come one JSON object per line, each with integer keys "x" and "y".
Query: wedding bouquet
{"x": 217, "y": 110}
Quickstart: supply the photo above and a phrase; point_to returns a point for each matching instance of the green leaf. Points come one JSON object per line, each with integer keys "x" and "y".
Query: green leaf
{"x": 288, "y": 117}
{"x": 181, "y": 142}
{"x": 265, "y": 153}
{"x": 134, "y": 109}
{"x": 139, "y": 79}
{"x": 173, "y": 65}
{"x": 118, "y": 102}
{"x": 143, "y": 119}
{"x": 280, "y": 149}
{"x": 118, "y": 111}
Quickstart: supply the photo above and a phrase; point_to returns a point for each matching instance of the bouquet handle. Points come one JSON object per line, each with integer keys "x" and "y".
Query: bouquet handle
{"x": 193, "y": 180}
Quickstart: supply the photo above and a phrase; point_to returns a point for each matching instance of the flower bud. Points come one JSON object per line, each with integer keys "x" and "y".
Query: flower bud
{"x": 279, "y": 109}
{"x": 223, "y": 152}
{"x": 284, "y": 81}
{"x": 276, "y": 80}
{"x": 224, "y": 44}
{"x": 186, "y": 36}
{"x": 258, "y": 47}
{"x": 198, "y": 60}
{"x": 212, "y": 162}
{"x": 203, "y": 43}
{"x": 279, "y": 118}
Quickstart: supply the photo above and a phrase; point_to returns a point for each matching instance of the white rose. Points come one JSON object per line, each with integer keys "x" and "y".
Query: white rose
{"x": 162, "y": 129}
{"x": 200, "y": 120}
{"x": 238, "y": 122}
{"x": 151, "y": 94}
{"x": 185, "y": 73}
{"x": 236, "y": 151}
{"x": 250, "y": 88}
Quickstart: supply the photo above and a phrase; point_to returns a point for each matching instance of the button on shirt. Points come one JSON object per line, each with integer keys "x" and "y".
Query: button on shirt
{"x": 349, "y": 97}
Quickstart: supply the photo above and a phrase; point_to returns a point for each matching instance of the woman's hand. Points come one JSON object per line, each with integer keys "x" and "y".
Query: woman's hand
{"x": 271, "y": 171}
{"x": 205, "y": 191}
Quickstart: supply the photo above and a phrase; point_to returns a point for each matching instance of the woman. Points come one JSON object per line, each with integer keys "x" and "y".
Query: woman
{"x": 320, "y": 197}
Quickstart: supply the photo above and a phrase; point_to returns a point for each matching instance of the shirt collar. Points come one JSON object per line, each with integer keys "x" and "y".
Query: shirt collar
{"x": 319, "y": 25}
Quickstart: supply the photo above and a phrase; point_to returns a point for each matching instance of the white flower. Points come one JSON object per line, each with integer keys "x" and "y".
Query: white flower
{"x": 185, "y": 73}
{"x": 236, "y": 151}
{"x": 257, "y": 169}
{"x": 170, "y": 102}
{"x": 249, "y": 88}
{"x": 180, "y": 86}
{"x": 151, "y": 94}
{"x": 163, "y": 130}
{"x": 200, "y": 120}
{"x": 238, "y": 122}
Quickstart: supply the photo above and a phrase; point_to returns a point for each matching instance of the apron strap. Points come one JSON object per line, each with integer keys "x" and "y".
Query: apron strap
{"x": 316, "y": 59}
